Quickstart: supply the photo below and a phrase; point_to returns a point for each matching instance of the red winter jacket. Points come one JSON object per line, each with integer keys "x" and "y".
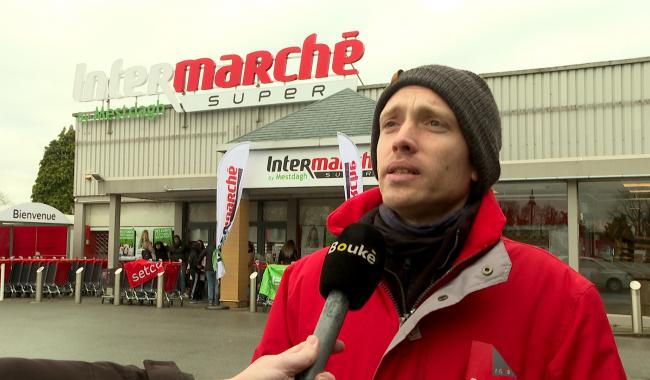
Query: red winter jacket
{"x": 505, "y": 310}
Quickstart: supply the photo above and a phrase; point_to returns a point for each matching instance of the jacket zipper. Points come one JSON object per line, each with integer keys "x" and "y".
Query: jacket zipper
{"x": 405, "y": 316}
{"x": 425, "y": 293}
{"x": 403, "y": 313}
{"x": 400, "y": 312}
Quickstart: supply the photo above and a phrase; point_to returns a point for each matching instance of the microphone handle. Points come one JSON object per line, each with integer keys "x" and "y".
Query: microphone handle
{"x": 327, "y": 330}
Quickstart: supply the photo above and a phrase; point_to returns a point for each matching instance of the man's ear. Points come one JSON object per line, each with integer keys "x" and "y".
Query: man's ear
{"x": 474, "y": 175}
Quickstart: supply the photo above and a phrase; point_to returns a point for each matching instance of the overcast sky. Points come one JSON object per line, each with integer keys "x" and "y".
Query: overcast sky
{"x": 42, "y": 41}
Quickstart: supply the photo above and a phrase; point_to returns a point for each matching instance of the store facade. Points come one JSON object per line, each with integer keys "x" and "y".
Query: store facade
{"x": 575, "y": 171}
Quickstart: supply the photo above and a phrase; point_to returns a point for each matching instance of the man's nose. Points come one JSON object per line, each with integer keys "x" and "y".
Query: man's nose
{"x": 405, "y": 139}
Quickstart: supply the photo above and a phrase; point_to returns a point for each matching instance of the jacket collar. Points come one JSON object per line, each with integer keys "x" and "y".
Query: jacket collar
{"x": 485, "y": 232}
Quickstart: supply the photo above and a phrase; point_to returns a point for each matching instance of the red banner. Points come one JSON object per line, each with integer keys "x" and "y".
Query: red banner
{"x": 140, "y": 271}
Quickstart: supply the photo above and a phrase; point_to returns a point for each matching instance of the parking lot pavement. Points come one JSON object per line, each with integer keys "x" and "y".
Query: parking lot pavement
{"x": 635, "y": 353}
{"x": 209, "y": 344}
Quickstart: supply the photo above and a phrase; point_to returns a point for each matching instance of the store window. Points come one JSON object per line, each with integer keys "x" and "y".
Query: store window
{"x": 199, "y": 233}
{"x": 275, "y": 211}
{"x": 274, "y": 219}
{"x": 312, "y": 230}
{"x": 615, "y": 238}
{"x": 536, "y": 213}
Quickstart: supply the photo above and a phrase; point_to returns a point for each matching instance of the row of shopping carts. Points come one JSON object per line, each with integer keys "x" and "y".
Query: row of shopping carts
{"x": 58, "y": 276}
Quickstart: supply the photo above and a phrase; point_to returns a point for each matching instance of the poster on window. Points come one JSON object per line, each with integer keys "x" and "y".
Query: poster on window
{"x": 146, "y": 236}
{"x": 127, "y": 242}
{"x": 312, "y": 239}
{"x": 163, "y": 234}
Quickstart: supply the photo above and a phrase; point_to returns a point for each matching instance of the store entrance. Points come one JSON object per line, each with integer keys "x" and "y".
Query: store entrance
{"x": 275, "y": 235}
{"x": 201, "y": 231}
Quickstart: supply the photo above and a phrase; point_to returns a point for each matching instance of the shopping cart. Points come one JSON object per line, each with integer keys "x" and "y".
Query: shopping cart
{"x": 172, "y": 294}
{"x": 107, "y": 286}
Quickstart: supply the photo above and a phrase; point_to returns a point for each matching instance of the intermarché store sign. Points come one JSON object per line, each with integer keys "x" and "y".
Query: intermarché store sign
{"x": 302, "y": 167}
{"x": 190, "y": 83}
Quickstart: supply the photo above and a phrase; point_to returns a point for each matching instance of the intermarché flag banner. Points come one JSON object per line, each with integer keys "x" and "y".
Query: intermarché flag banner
{"x": 351, "y": 166}
{"x": 230, "y": 175}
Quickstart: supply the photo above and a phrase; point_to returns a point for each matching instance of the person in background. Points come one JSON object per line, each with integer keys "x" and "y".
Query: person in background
{"x": 160, "y": 251}
{"x": 178, "y": 252}
{"x": 147, "y": 252}
{"x": 197, "y": 273}
{"x": 268, "y": 254}
{"x": 288, "y": 253}
{"x": 254, "y": 264}
{"x": 252, "y": 267}
{"x": 208, "y": 257}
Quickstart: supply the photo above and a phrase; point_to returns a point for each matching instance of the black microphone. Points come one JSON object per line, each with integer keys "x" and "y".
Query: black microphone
{"x": 351, "y": 272}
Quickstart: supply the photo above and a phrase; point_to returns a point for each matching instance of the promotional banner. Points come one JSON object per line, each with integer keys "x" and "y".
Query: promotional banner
{"x": 229, "y": 188}
{"x": 351, "y": 166}
{"x": 140, "y": 271}
{"x": 230, "y": 175}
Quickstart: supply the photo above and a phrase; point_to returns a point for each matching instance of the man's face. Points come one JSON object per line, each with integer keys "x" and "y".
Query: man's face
{"x": 422, "y": 159}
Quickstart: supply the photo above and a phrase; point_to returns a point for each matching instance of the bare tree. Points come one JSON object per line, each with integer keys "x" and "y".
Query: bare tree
{"x": 637, "y": 213}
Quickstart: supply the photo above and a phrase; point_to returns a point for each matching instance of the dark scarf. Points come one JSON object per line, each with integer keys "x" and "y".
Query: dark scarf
{"x": 417, "y": 256}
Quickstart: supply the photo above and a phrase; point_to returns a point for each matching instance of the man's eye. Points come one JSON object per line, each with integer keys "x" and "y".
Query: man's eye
{"x": 435, "y": 123}
{"x": 389, "y": 124}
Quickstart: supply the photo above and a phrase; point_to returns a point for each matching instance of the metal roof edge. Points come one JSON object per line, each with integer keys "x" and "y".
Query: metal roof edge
{"x": 566, "y": 67}
{"x": 295, "y": 143}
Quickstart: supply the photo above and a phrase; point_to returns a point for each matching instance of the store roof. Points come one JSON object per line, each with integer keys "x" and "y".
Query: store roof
{"x": 346, "y": 111}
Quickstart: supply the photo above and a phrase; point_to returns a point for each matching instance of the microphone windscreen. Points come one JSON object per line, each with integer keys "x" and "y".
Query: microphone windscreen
{"x": 354, "y": 264}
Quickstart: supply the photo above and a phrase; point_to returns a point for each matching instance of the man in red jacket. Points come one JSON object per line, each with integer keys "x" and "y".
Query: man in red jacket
{"x": 457, "y": 299}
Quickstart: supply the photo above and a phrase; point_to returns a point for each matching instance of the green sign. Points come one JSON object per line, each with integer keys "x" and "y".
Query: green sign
{"x": 163, "y": 234}
{"x": 148, "y": 112}
{"x": 127, "y": 241}
{"x": 127, "y": 236}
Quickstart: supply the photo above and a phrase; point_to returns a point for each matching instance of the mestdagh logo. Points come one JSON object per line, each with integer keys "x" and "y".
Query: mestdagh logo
{"x": 148, "y": 112}
{"x": 359, "y": 250}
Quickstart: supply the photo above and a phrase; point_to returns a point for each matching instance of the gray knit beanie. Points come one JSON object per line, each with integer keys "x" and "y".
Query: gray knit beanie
{"x": 474, "y": 107}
